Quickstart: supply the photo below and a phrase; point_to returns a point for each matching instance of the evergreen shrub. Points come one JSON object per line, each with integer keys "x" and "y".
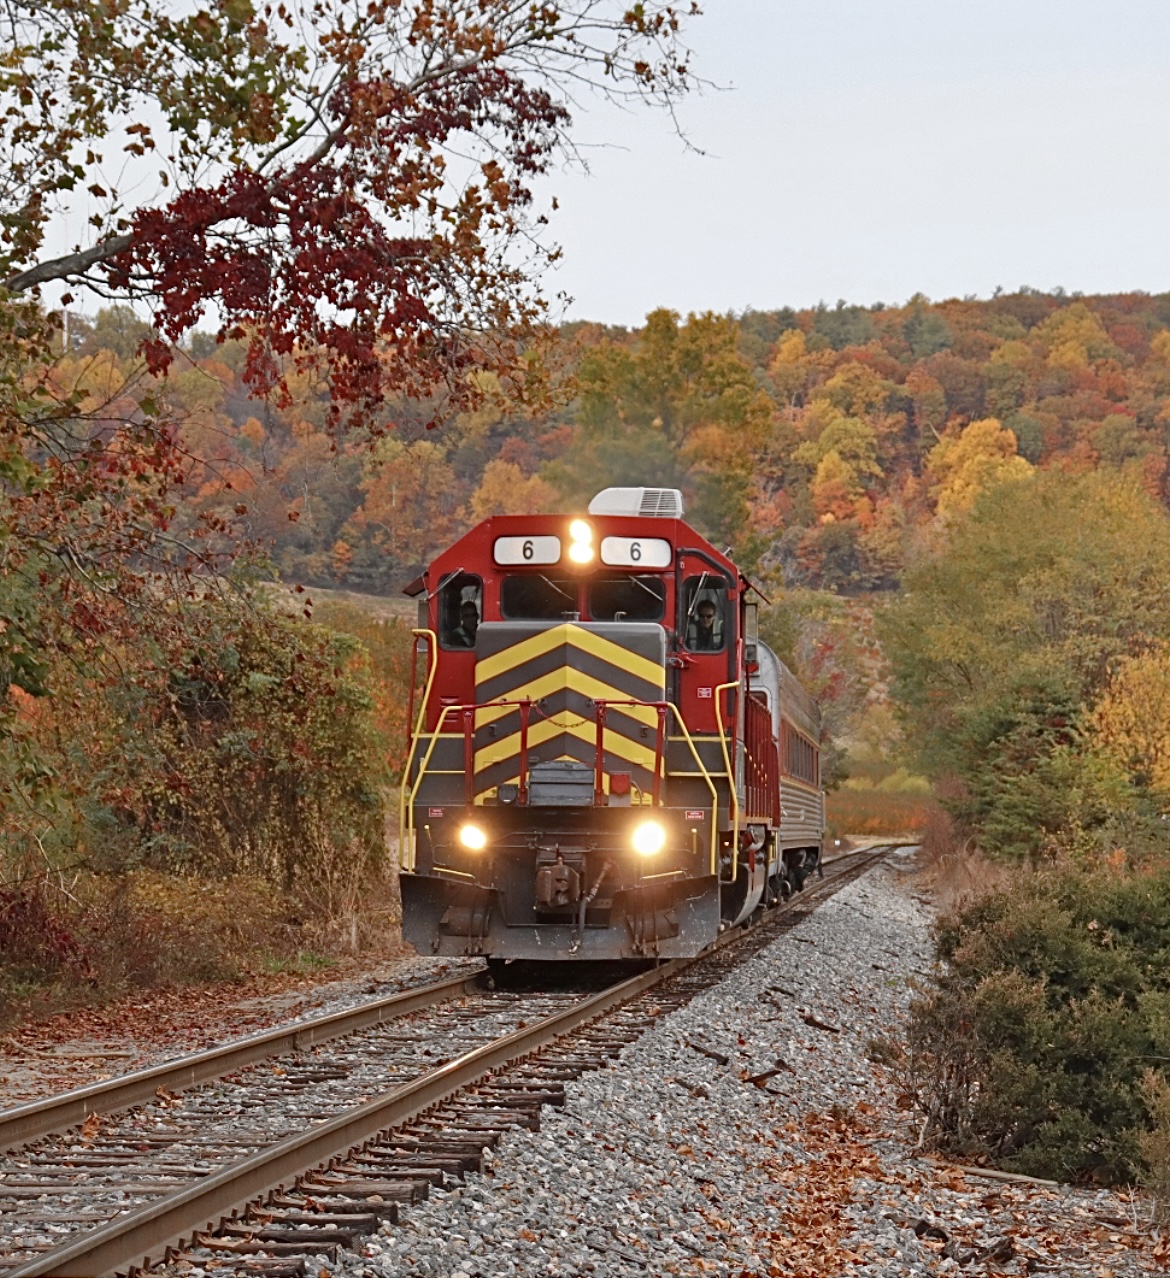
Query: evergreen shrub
{"x": 1036, "y": 1041}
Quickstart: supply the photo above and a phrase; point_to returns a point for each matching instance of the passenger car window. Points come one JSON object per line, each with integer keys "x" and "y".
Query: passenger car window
{"x": 533, "y": 597}
{"x": 627, "y": 599}
{"x": 460, "y": 610}
{"x": 706, "y": 613}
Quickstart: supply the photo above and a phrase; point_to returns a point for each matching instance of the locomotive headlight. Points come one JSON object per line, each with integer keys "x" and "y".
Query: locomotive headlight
{"x": 649, "y": 838}
{"x": 472, "y": 837}
{"x": 581, "y": 546}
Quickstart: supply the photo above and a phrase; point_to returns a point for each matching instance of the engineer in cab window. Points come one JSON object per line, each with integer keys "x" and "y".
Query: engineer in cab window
{"x": 463, "y": 635}
{"x": 705, "y": 633}
{"x": 460, "y": 610}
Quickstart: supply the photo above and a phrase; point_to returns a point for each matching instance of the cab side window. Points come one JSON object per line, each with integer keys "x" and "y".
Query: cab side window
{"x": 705, "y": 599}
{"x": 460, "y": 610}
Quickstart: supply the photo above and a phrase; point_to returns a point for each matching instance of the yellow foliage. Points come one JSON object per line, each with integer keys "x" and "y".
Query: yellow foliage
{"x": 792, "y": 368}
{"x": 1074, "y": 337}
{"x": 792, "y": 347}
{"x": 711, "y": 447}
{"x": 1132, "y": 720}
{"x": 1160, "y": 346}
{"x": 964, "y": 465}
{"x": 1014, "y": 353}
{"x": 851, "y": 438}
{"x": 506, "y": 490}
{"x": 856, "y": 389}
{"x": 834, "y": 487}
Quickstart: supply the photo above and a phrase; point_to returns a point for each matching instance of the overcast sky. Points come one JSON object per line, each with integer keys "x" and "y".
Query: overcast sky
{"x": 873, "y": 149}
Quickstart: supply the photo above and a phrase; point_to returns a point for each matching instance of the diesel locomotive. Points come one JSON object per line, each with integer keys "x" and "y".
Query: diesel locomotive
{"x": 605, "y": 762}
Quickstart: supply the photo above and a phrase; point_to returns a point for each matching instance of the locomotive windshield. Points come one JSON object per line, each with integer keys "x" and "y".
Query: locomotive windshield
{"x": 627, "y": 599}
{"x": 533, "y": 597}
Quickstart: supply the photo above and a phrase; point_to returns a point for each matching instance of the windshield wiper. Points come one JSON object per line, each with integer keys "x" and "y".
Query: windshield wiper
{"x": 695, "y": 597}
{"x": 556, "y": 588}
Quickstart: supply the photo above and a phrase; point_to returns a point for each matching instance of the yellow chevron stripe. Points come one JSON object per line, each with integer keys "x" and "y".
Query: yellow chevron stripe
{"x": 615, "y": 743}
{"x": 565, "y": 677}
{"x": 641, "y": 667}
{"x": 567, "y": 634}
{"x": 524, "y": 651}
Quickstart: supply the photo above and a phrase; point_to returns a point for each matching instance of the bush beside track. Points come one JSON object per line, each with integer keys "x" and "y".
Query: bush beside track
{"x": 200, "y": 819}
{"x": 1034, "y": 1044}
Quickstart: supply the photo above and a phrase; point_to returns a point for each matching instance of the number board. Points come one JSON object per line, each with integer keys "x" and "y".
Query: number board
{"x": 636, "y": 552}
{"x": 527, "y": 550}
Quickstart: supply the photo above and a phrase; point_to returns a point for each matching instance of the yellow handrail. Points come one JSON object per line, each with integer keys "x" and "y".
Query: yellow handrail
{"x": 422, "y": 772}
{"x": 730, "y": 779}
{"x": 432, "y": 666}
{"x": 406, "y": 818}
{"x": 710, "y": 785}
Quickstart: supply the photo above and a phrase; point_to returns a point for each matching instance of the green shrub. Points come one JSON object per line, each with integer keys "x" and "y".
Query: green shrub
{"x": 195, "y": 809}
{"x": 1155, "y": 1143}
{"x": 1052, "y": 1001}
{"x": 266, "y": 762}
{"x": 1005, "y": 639}
{"x": 388, "y": 643}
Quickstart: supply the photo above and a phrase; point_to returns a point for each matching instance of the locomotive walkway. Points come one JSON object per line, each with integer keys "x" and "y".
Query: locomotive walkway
{"x": 165, "y": 1172}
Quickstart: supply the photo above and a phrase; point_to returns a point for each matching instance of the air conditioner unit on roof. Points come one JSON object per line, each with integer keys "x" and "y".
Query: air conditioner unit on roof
{"x": 664, "y": 503}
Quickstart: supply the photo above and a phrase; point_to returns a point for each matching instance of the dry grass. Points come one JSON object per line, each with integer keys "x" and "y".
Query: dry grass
{"x": 952, "y": 868}
{"x": 1155, "y": 1144}
{"x": 383, "y": 607}
{"x": 875, "y": 812}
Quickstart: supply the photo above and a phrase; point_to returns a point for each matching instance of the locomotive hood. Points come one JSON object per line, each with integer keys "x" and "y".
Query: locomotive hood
{"x": 563, "y": 671}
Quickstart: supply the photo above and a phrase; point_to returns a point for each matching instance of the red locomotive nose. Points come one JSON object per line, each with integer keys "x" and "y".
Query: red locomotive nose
{"x": 597, "y": 769}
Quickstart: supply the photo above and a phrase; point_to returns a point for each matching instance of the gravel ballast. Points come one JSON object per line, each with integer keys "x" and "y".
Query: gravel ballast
{"x": 749, "y": 1133}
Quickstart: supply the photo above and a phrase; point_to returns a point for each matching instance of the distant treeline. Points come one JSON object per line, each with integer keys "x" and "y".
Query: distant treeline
{"x": 818, "y": 442}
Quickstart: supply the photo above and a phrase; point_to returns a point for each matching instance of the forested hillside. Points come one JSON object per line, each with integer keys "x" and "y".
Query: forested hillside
{"x": 821, "y": 443}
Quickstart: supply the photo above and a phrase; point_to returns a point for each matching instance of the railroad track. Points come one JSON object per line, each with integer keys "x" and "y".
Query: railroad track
{"x": 209, "y": 1180}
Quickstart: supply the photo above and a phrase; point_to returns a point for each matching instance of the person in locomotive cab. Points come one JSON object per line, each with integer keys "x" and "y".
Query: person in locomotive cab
{"x": 705, "y": 635}
{"x": 464, "y": 634}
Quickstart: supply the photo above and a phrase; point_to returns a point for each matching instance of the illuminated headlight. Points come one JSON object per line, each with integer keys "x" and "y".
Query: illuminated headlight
{"x": 581, "y": 546}
{"x": 472, "y": 837}
{"x": 649, "y": 838}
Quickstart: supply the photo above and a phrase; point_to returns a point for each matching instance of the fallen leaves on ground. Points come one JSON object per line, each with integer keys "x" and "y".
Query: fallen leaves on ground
{"x": 83, "y": 1045}
{"x": 949, "y": 1221}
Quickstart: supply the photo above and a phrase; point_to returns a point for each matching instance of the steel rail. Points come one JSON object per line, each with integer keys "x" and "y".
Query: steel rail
{"x": 22, "y": 1124}
{"x": 147, "y": 1231}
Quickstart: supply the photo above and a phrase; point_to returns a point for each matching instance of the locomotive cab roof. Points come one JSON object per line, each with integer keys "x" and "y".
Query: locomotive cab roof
{"x": 616, "y": 518}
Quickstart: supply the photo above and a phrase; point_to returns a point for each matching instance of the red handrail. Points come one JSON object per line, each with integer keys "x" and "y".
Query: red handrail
{"x": 663, "y": 708}
{"x": 525, "y": 705}
{"x": 761, "y": 760}
{"x": 599, "y": 761}
{"x": 522, "y": 789}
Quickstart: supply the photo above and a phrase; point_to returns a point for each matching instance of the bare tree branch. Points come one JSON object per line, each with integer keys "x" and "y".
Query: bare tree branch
{"x": 70, "y": 265}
